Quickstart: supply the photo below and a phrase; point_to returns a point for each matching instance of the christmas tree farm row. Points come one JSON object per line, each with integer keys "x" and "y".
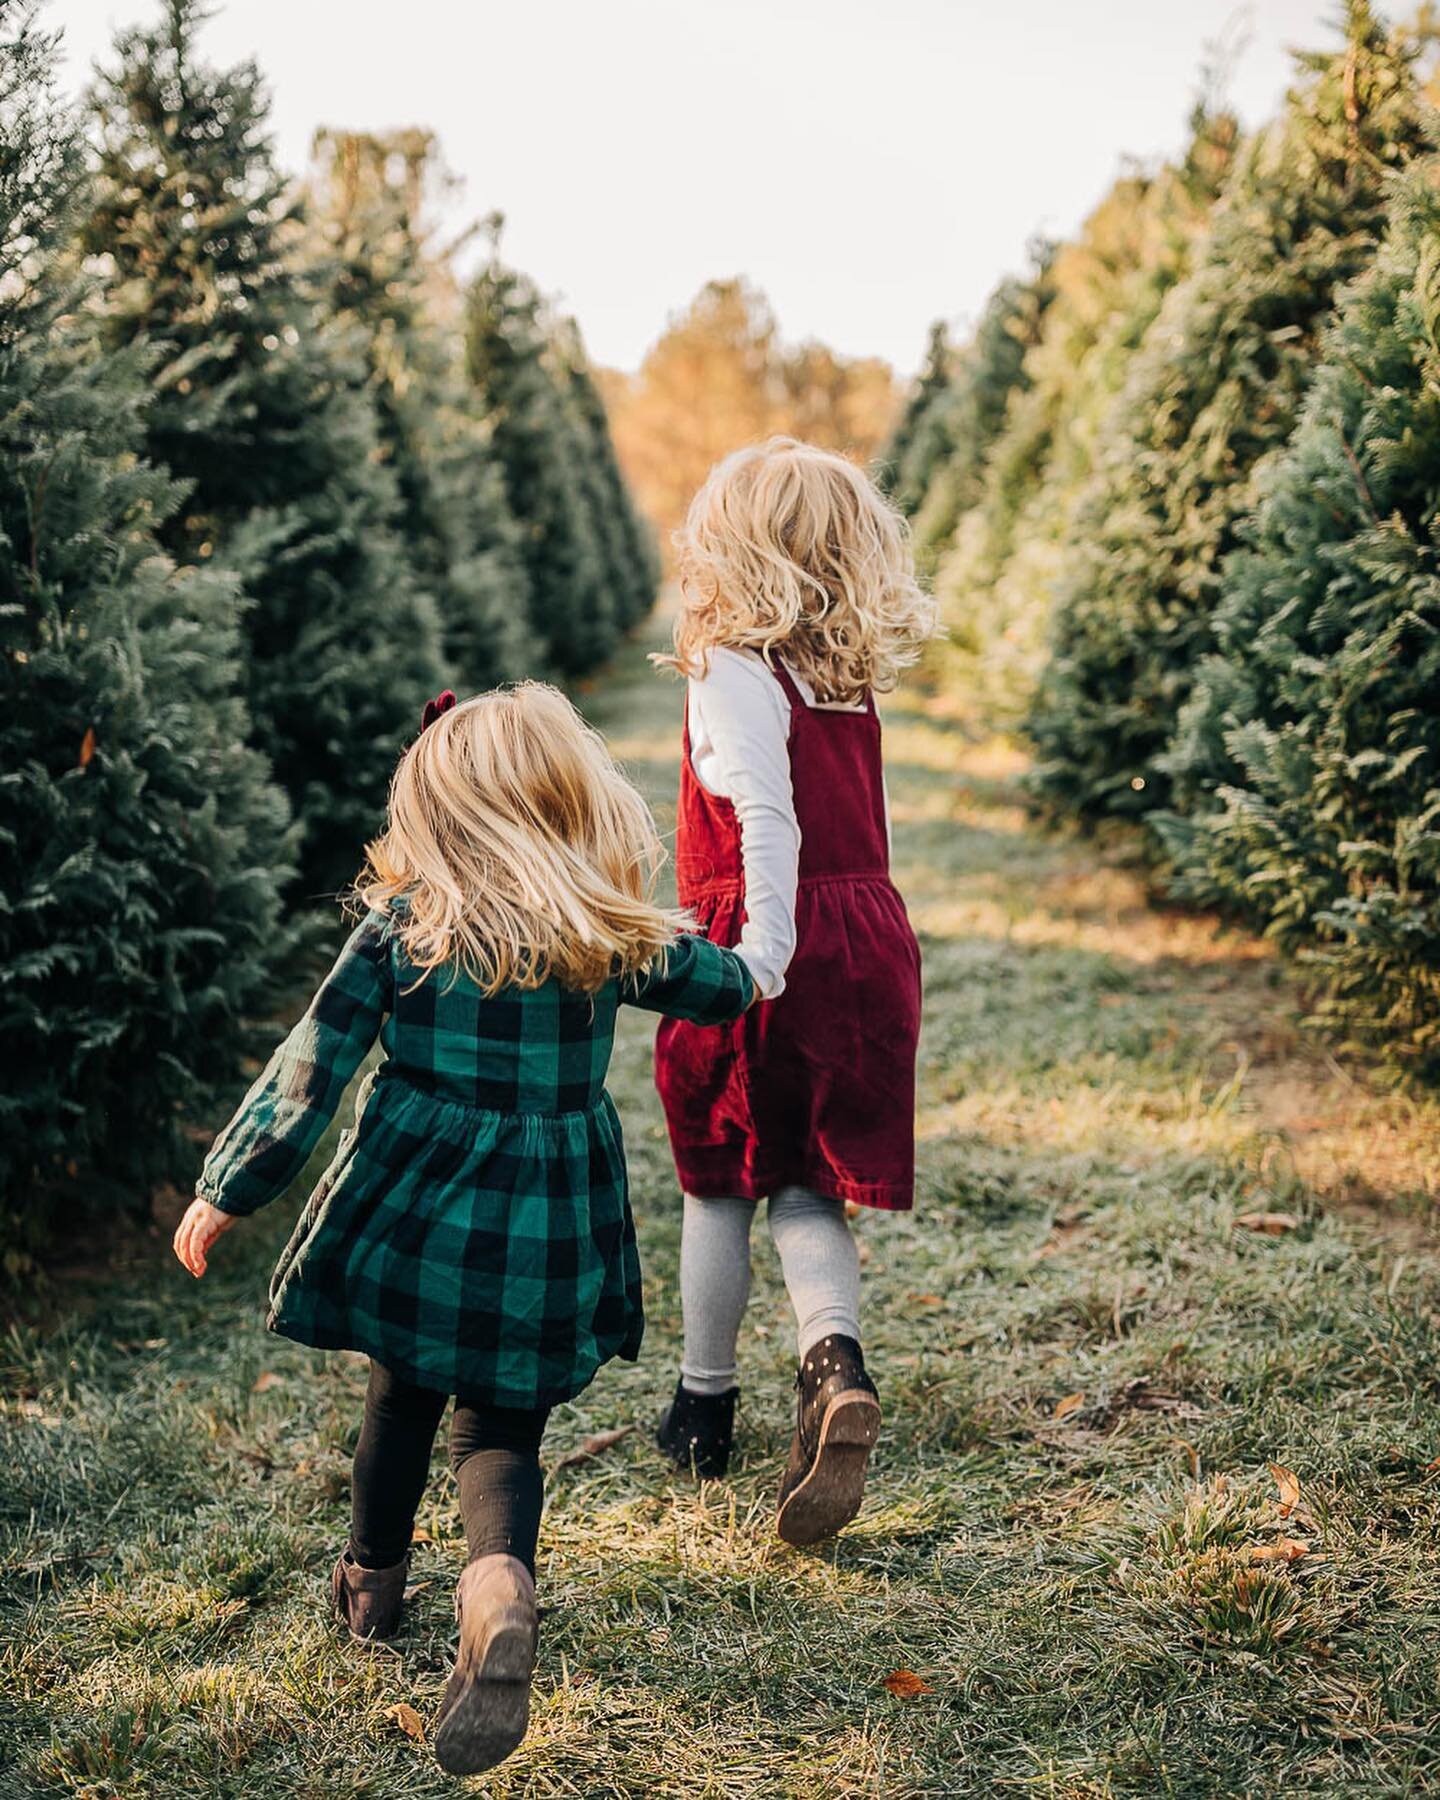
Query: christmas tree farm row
{"x": 270, "y": 476}
{"x": 1179, "y": 496}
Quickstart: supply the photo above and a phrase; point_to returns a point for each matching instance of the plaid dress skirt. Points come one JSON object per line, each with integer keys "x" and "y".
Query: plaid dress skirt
{"x": 487, "y": 1252}
{"x": 473, "y": 1231}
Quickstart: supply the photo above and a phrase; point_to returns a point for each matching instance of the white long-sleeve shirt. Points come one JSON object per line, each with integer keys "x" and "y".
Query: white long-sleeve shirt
{"x": 740, "y": 751}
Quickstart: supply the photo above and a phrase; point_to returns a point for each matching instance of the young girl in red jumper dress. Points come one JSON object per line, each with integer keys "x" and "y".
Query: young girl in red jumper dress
{"x": 799, "y": 604}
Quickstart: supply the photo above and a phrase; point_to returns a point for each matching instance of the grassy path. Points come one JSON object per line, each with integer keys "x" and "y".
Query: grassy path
{"x": 1073, "y": 1535}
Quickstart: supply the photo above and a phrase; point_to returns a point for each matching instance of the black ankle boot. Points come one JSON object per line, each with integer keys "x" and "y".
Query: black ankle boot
{"x": 837, "y": 1419}
{"x": 696, "y": 1431}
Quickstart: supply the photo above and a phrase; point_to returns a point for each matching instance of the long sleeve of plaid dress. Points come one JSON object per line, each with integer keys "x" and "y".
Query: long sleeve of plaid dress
{"x": 264, "y": 1148}
{"x": 694, "y": 980}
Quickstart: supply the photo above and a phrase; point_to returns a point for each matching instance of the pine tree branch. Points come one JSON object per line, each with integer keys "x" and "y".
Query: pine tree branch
{"x": 1360, "y": 480}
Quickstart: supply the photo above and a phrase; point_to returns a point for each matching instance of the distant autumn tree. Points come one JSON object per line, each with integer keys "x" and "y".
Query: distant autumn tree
{"x": 720, "y": 377}
{"x": 839, "y": 402}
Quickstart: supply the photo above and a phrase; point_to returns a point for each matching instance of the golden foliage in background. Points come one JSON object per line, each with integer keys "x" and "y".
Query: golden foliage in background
{"x": 720, "y": 377}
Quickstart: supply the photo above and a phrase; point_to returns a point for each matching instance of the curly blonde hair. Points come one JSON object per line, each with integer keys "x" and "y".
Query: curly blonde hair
{"x": 789, "y": 549}
{"x": 516, "y": 850}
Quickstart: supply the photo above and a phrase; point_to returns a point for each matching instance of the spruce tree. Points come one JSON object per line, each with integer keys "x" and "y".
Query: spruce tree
{"x": 541, "y": 448}
{"x": 141, "y": 843}
{"x": 1309, "y": 753}
{"x": 908, "y": 459}
{"x": 996, "y": 580}
{"x": 632, "y": 563}
{"x": 388, "y": 285}
{"x": 1215, "y": 386}
{"x": 261, "y": 408}
{"x": 946, "y": 462}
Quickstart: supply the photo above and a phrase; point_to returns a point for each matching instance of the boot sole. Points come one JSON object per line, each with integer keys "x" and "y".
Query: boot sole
{"x": 491, "y": 1711}
{"x": 830, "y": 1495}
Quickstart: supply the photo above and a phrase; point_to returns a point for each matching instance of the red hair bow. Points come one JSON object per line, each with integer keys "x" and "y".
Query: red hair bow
{"x": 433, "y": 708}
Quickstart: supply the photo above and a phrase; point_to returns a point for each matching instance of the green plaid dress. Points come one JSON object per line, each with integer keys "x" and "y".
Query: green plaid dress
{"x": 473, "y": 1231}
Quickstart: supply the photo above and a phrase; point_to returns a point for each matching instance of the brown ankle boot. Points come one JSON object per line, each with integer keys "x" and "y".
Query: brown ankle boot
{"x": 368, "y": 1601}
{"x": 837, "y": 1419}
{"x": 487, "y": 1705}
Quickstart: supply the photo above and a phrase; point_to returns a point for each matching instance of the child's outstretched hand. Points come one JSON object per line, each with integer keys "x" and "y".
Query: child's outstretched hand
{"x": 197, "y": 1231}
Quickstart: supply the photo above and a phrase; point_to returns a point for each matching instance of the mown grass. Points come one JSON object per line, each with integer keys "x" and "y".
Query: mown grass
{"x": 1072, "y": 1535}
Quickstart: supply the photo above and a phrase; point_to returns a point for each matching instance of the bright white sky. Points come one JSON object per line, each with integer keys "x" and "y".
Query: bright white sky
{"x": 872, "y": 164}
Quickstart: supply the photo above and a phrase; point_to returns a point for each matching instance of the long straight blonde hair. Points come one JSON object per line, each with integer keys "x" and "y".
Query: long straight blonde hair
{"x": 790, "y": 550}
{"x": 516, "y": 850}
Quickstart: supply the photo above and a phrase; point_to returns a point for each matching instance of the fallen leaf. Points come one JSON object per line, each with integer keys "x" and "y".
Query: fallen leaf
{"x": 1272, "y": 1224}
{"x": 906, "y": 1684}
{"x": 1071, "y": 1403}
{"x": 1289, "y": 1487}
{"x": 267, "y": 1380}
{"x": 1283, "y": 1549}
{"x": 1192, "y": 1457}
{"x": 87, "y": 746}
{"x": 408, "y": 1720}
{"x": 926, "y": 1299}
{"x": 421, "y": 1536}
{"x": 1432, "y": 1466}
{"x": 594, "y": 1445}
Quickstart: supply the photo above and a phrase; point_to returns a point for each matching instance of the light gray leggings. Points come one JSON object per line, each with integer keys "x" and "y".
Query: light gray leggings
{"x": 818, "y": 1257}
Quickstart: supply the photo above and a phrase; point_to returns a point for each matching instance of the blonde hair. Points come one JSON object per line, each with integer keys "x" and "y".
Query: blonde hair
{"x": 516, "y": 850}
{"x": 789, "y": 548}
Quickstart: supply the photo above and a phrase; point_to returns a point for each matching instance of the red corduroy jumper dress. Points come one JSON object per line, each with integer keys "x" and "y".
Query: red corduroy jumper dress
{"x": 815, "y": 1088}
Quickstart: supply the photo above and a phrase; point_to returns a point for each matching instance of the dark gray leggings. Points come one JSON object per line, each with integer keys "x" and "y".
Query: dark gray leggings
{"x": 494, "y": 1451}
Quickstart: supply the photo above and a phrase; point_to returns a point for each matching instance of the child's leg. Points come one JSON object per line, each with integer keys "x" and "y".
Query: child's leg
{"x": 714, "y": 1289}
{"x": 820, "y": 1262}
{"x": 697, "y": 1429}
{"x": 495, "y": 1453}
{"x": 392, "y": 1463}
{"x": 837, "y": 1413}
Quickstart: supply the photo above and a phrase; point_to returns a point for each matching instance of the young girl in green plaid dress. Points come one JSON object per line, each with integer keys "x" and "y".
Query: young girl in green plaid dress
{"x": 472, "y": 1234}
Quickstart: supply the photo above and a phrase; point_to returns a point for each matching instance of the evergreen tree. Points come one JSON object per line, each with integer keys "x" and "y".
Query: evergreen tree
{"x": 908, "y": 459}
{"x": 1310, "y": 749}
{"x": 261, "y": 409}
{"x": 996, "y": 580}
{"x": 953, "y": 440}
{"x": 540, "y": 444}
{"x": 1215, "y": 385}
{"x": 369, "y": 214}
{"x": 141, "y": 844}
{"x": 632, "y": 563}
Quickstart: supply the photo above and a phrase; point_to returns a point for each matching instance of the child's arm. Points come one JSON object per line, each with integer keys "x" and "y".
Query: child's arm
{"x": 693, "y": 979}
{"x": 265, "y": 1146}
{"x": 740, "y": 747}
